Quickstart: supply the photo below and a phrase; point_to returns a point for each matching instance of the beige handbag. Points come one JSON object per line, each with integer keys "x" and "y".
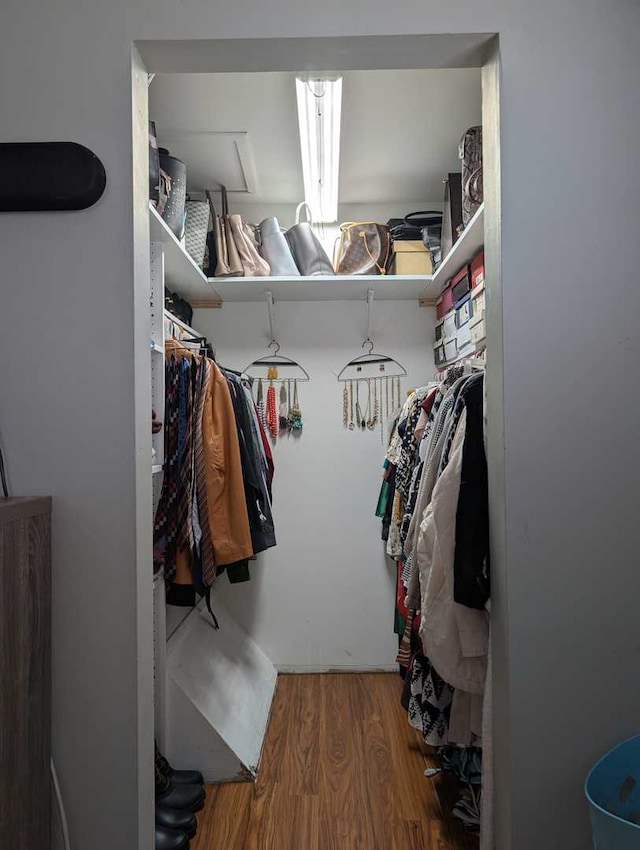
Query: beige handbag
{"x": 228, "y": 258}
{"x": 253, "y": 265}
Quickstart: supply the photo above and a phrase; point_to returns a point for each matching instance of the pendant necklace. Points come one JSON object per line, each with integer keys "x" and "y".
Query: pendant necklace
{"x": 359, "y": 419}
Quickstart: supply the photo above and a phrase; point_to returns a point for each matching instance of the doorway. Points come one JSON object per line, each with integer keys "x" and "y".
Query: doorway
{"x": 357, "y": 54}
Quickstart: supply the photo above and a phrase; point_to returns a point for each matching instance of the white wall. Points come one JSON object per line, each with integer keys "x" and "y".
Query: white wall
{"x": 570, "y": 124}
{"x": 324, "y": 596}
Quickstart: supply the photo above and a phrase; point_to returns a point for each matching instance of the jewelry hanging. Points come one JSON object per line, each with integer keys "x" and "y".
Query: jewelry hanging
{"x": 381, "y": 416}
{"x": 359, "y": 417}
{"x": 351, "y": 422}
{"x": 289, "y": 397}
{"x": 260, "y": 405}
{"x": 399, "y": 401}
{"x": 373, "y": 414}
{"x": 283, "y": 422}
{"x": 295, "y": 414}
{"x": 272, "y": 412}
{"x": 345, "y": 406}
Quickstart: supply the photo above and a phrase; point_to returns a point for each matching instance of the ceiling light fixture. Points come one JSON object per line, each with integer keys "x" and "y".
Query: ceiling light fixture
{"x": 319, "y": 111}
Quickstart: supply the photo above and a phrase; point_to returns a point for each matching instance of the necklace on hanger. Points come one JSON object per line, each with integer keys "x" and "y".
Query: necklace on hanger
{"x": 359, "y": 417}
{"x": 272, "y": 412}
{"x": 373, "y": 413}
{"x": 351, "y": 422}
{"x": 345, "y": 406}
{"x": 295, "y": 413}
{"x": 283, "y": 421}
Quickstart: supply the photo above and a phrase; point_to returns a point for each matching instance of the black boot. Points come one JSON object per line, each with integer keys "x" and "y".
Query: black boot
{"x": 176, "y": 819}
{"x": 170, "y": 839}
{"x": 178, "y": 777}
{"x": 186, "y": 797}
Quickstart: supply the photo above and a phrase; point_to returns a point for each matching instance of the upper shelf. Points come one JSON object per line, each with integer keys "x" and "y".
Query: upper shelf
{"x": 470, "y": 241}
{"x": 325, "y": 288}
{"x": 184, "y": 277}
{"x": 181, "y": 273}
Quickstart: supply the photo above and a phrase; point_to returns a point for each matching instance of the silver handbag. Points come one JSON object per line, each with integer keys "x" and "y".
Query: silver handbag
{"x": 275, "y": 249}
{"x": 311, "y": 258}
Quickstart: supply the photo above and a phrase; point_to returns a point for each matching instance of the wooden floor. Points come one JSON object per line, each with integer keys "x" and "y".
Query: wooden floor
{"x": 341, "y": 770}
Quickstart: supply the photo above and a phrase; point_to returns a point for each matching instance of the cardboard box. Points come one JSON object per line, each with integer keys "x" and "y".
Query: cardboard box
{"x": 411, "y": 257}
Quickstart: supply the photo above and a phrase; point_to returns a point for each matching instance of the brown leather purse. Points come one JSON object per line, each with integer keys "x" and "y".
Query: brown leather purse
{"x": 364, "y": 247}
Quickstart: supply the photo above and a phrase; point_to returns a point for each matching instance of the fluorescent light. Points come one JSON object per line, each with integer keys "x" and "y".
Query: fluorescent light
{"x": 319, "y": 110}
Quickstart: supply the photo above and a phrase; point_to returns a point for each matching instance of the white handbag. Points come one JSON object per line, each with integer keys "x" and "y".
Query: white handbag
{"x": 275, "y": 249}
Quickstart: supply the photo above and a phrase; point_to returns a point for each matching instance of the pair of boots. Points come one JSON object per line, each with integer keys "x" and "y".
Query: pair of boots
{"x": 179, "y": 793}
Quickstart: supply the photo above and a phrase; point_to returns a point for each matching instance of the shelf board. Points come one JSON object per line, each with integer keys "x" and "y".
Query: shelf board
{"x": 182, "y": 275}
{"x": 176, "y": 321}
{"x": 470, "y": 241}
{"x": 325, "y": 288}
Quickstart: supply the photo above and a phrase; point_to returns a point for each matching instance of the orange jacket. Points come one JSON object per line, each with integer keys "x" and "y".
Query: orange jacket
{"x": 228, "y": 518}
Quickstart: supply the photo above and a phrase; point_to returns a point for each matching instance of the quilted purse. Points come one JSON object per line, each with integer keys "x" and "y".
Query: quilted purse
{"x": 364, "y": 247}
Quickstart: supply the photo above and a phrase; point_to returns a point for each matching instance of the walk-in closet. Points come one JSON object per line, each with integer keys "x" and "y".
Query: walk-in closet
{"x": 318, "y": 349}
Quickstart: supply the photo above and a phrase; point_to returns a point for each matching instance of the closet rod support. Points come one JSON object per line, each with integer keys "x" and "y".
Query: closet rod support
{"x": 370, "y": 297}
{"x": 272, "y": 318}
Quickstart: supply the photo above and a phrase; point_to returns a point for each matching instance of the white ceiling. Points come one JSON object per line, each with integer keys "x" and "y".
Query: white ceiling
{"x": 400, "y": 131}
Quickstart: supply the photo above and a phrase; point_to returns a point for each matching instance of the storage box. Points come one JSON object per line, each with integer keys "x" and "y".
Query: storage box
{"x": 463, "y": 337}
{"x": 438, "y": 353}
{"x": 411, "y": 257}
{"x": 478, "y": 302}
{"x": 477, "y": 270}
{"x": 463, "y": 311}
{"x": 445, "y": 302}
{"x": 449, "y": 325}
{"x": 450, "y": 349}
{"x": 439, "y": 327}
{"x": 461, "y": 284}
{"x": 479, "y": 333}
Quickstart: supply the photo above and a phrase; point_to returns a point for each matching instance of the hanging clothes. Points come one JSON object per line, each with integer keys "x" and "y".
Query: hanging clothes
{"x": 228, "y": 518}
{"x": 214, "y": 510}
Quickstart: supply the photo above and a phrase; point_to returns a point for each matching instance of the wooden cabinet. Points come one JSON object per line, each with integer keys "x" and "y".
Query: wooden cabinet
{"x": 25, "y": 673}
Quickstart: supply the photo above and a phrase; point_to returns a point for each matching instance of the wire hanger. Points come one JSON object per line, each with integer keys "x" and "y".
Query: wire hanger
{"x": 387, "y": 367}
{"x": 256, "y": 369}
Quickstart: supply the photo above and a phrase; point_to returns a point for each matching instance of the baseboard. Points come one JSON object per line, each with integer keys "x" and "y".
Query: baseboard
{"x": 332, "y": 668}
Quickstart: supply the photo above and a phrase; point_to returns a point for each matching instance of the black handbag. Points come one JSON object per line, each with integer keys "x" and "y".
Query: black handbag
{"x": 180, "y": 308}
{"x": 154, "y": 164}
{"x": 410, "y": 227}
{"x": 452, "y": 217}
{"x": 311, "y": 258}
{"x": 173, "y": 212}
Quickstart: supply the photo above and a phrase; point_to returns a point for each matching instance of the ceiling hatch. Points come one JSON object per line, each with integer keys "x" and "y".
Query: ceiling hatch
{"x": 215, "y": 158}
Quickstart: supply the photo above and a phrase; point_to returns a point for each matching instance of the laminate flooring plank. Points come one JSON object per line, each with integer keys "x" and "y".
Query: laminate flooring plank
{"x": 378, "y": 786}
{"x": 341, "y": 759}
{"x": 300, "y": 761}
{"x": 225, "y": 818}
{"x": 275, "y": 742}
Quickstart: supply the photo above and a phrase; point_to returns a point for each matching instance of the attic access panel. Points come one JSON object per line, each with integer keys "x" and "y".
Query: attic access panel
{"x": 215, "y": 157}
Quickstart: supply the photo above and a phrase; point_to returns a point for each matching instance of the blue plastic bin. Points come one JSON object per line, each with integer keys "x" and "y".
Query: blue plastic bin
{"x": 613, "y": 791}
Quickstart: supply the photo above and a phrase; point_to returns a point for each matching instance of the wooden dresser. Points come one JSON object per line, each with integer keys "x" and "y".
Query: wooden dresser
{"x": 25, "y": 673}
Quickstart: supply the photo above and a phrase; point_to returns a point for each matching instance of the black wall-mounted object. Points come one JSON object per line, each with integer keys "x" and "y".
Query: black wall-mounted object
{"x": 47, "y": 176}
